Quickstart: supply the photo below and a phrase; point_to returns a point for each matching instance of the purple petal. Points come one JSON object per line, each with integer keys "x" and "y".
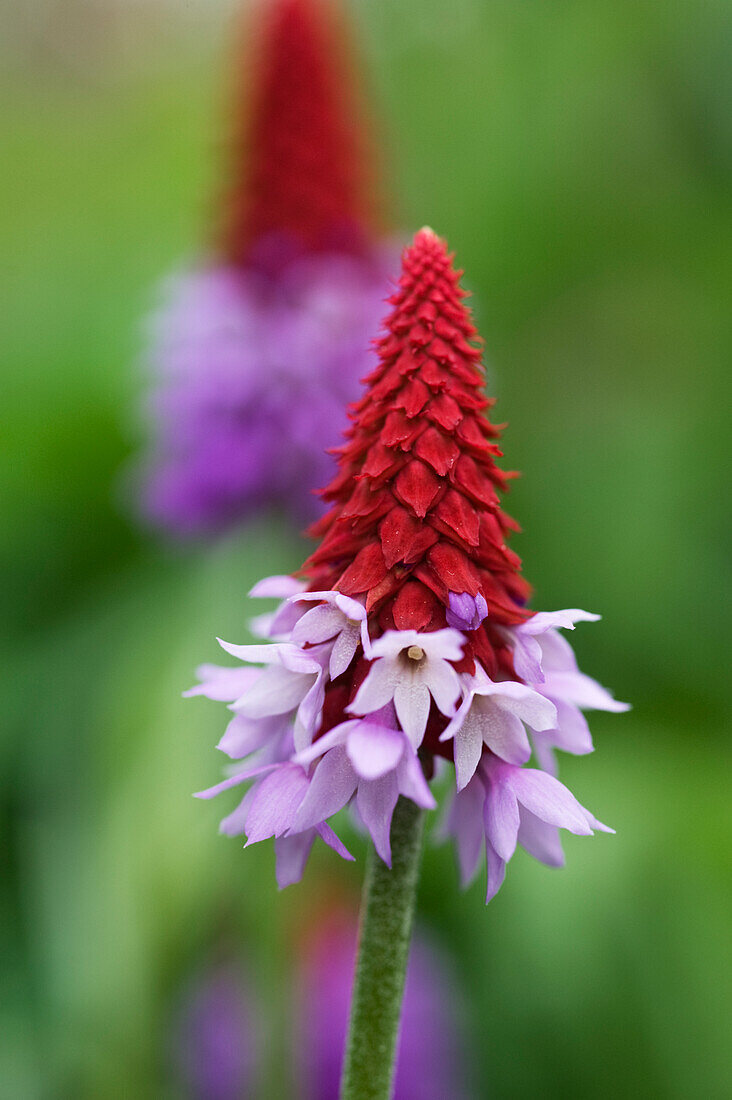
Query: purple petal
{"x": 557, "y": 620}
{"x": 279, "y": 587}
{"x": 245, "y": 735}
{"x": 377, "y": 689}
{"x": 376, "y": 800}
{"x": 291, "y": 855}
{"x": 277, "y": 691}
{"x": 501, "y": 731}
{"x": 223, "y": 685}
{"x": 326, "y": 834}
{"x": 530, "y": 706}
{"x": 275, "y": 803}
{"x": 344, "y": 649}
{"x": 412, "y": 783}
{"x": 331, "y": 787}
{"x": 444, "y": 684}
{"x": 319, "y": 624}
{"x": 465, "y": 822}
{"x": 548, "y": 799}
{"x": 234, "y": 823}
{"x": 465, "y": 612}
{"x": 374, "y": 750}
{"x": 501, "y": 817}
{"x": 544, "y": 753}
{"x": 583, "y": 691}
{"x": 496, "y": 871}
{"x": 540, "y": 840}
{"x": 467, "y": 750}
{"x": 527, "y": 658}
{"x": 412, "y": 704}
{"x": 572, "y": 733}
{"x": 233, "y": 781}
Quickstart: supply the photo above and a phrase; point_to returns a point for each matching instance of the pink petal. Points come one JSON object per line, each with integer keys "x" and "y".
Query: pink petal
{"x": 319, "y": 624}
{"x": 466, "y": 824}
{"x": 223, "y": 685}
{"x": 245, "y": 735}
{"x": 572, "y": 733}
{"x": 444, "y": 685}
{"x": 374, "y": 750}
{"x": 412, "y": 783}
{"x": 233, "y": 781}
{"x": 540, "y": 840}
{"x": 326, "y": 834}
{"x": 503, "y": 733}
{"x": 501, "y": 818}
{"x": 376, "y": 800}
{"x": 467, "y": 749}
{"x": 377, "y": 689}
{"x": 496, "y": 871}
{"x": 583, "y": 691}
{"x": 344, "y": 649}
{"x": 277, "y": 691}
{"x": 291, "y": 855}
{"x": 548, "y": 799}
{"x": 279, "y": 587}
{"x": 234, "y": 823}
{"x": 331, "y": 787}
{"x": 527, "y": 658}
{"x": 329, "y": 740}
{"x": 275, "y": 803}
{"x": 557, "y": 620}
{"x": 412, "y": 705}
{"x": 536, "y": 710}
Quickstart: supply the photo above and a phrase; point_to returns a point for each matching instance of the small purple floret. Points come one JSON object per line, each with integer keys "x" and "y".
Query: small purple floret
{"x": 466, "y": 612}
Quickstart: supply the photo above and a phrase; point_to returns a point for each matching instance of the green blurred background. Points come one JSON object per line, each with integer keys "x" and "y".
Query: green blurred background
{"x": 577, "y": 156}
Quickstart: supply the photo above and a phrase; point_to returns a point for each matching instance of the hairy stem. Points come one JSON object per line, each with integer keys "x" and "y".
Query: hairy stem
{"x": 387, "y": 914}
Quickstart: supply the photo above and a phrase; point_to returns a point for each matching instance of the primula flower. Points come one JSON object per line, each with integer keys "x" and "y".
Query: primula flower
{"x": 412, "y": 639}
{"x": 256, "y": 348}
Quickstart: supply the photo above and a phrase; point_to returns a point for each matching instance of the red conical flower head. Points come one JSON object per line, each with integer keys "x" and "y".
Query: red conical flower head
{"x": 298, "y": 164}
{"x": 408, "y": 636}
{"x": 416, "y": 515}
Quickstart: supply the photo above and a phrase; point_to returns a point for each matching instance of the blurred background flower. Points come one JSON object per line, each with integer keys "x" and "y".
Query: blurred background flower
{"x": 256, "y": 348}
{"x": 577, "y": 156}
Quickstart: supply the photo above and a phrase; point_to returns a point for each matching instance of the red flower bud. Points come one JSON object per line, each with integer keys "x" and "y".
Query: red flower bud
{"x": 416, "y": 513}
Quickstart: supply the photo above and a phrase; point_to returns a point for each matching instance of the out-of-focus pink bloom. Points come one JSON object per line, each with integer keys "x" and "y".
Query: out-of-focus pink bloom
{"x": 430, "y": 1060}
{"x": 256, "y": 348}
{"x": 214, "y": 1044}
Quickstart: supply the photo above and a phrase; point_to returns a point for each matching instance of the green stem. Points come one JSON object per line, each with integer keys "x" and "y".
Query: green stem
{"x": 387, "y": 913}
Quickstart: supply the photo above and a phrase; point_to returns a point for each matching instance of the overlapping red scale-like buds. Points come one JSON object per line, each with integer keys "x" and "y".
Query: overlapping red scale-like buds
{"x": 416, "y": 513}
{"x": 408, "y": 636}
{"x": 297, "y": 163}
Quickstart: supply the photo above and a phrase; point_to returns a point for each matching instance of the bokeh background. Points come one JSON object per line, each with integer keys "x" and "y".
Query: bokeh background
{"x": 577, "y": 156}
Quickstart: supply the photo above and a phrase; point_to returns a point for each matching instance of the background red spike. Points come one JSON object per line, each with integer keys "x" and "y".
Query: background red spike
{"x": 298, "y": 154}
{"x": 416, "y": 513}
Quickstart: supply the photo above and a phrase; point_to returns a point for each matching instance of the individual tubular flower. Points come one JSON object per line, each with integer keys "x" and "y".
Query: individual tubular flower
{"x": 256, "y": 349}
{"x": 412, "y": 639}
{"x": 505, "y": 805}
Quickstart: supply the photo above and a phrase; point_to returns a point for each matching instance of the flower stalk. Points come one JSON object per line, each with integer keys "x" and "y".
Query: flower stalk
{"x": 387, "y": 915}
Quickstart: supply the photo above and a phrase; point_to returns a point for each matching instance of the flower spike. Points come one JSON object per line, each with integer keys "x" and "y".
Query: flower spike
{"x": 257, "y": 350}
{"x": 411, "y": 638}
{"x": 297, "y": 158}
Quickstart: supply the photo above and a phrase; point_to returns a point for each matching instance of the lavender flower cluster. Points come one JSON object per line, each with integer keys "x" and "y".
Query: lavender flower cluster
{"x": 251, "y": 376}
{"x": 304, "y": 773}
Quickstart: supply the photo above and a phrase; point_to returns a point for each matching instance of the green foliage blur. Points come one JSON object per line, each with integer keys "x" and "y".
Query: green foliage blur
{"x": 577, "y": 156}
